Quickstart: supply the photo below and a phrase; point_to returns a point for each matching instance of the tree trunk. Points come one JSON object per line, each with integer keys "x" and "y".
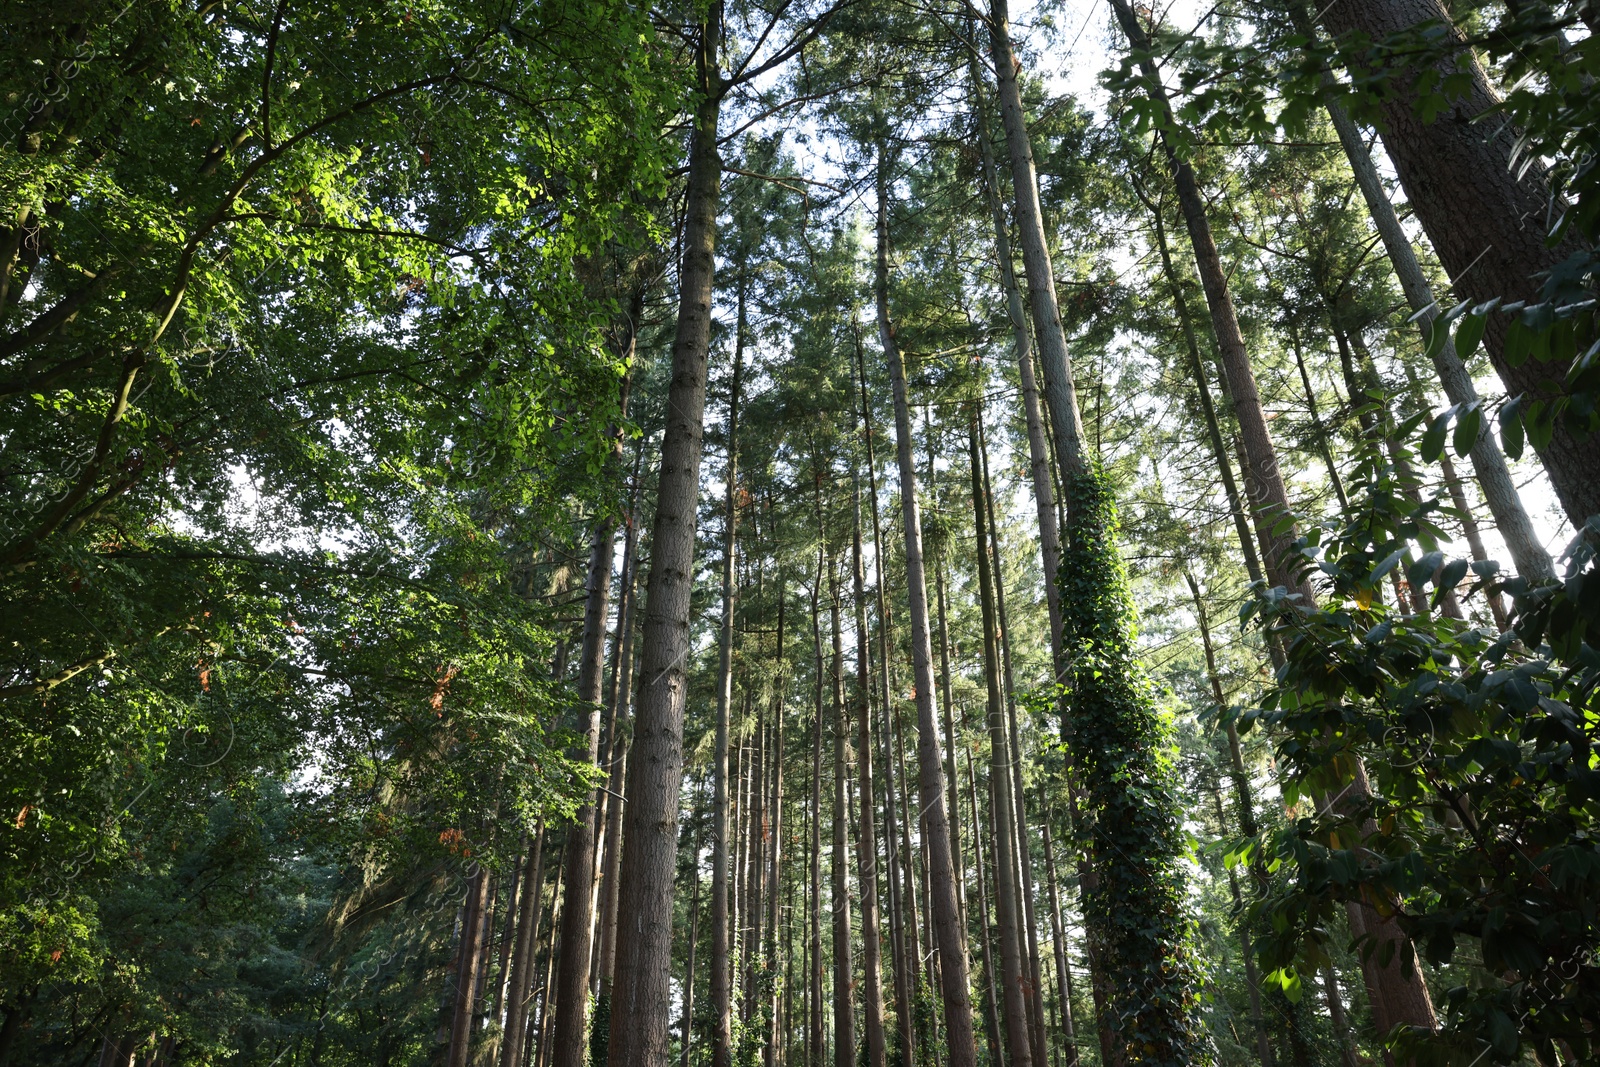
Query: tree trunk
{"x": 721, "y": 962}
{"x": 775, "y": 1030}
{"x": 991, "y": 1005}
{"x": 943, "y": 910}
{"x": 1002, "y": 822}
{"x": 468, "y": 958}
{"x": 844, "y": 1030}
{"x": 522, "y": 961}
{"x": 642, "y": 996}
{"x": 904, "y": 973}
{"x": 867, "y": 844}
{"x": 1058, "y": 939}
{"x": 1500, "y": 492}
{"x": 1484, "y": 215}
{"x": 817, "y": 1044}
{"x": 686, "y": 1028}
{"x": 571, "y": 1043}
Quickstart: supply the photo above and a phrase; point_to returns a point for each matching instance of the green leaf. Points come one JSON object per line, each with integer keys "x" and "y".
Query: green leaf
{"x": 1432, "y": 446}
{"x": 1467, "y": 428}
{"x": 1511, "y": 434}
{"x": 1469, "y": 333}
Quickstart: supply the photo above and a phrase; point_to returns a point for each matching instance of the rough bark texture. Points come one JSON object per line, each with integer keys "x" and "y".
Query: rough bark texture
{"x": 1485, "y": 218}
{"x": 641, "y": 996}
{"x": 468, "y": 958}
{"x": 515, "y": 1028}
{"x": 944, "y": 912}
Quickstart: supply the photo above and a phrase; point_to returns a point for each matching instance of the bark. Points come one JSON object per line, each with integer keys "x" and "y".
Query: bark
{"x": 814, "y": 988}
{"x": 522, "y": 962}
{"x": 721, "y": 973}
{"x": 1341, "y": 1025}
{"x": 991, "y": 1005}
{"x": 686, "y": 1029}
{"x": 1500, "y": 492}
{"x": 775, "y": 1026}
{"x": 1034, "y": 983}
{"x": 508, "y": 935}
{"x": 1321, "y": 433}
{"x": 867, "y": 843}
{"x": 571, "y": 1041}
{"x": 552, "y": 957}
{"x": 617, "y": 765}
{"x": 1058, "y": 940}
{"x": 904, "y": 973}
{"x": 642, "y": 995}
{"x": 844, "y": 1035}
{"x": 1002, "y": 823}
{"x": 1485, "y": 215}
{"x": 944, "y": 911}
{"x": 469, "y": 955}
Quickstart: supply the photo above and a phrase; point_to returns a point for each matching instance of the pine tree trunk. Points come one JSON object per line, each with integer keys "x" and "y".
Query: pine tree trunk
{"x": 547, "y": 1004}
{"x": 617, "y": 766}
{"x": 1058, "y": 941}
{"x": 904, "y": 973}
{"x": 1484, "y": 214}
{"x": 844, "y": 1031}
{"x": 817, "y": 1044}
{"x": 522, "y": 960}
{"x": 991, "y": 1005}
{"x": 686, "y": 1028}
{"x": 944, "y": 912}
{"x": 867, "y": 842}
{"x": 721, "y": 961}
{"x": 642, "y": 996}
{"x": 571, "y": 1041}
{"x": 775, "y": 1028}
{"x": 1002, "y": 822}
{"x": 1500, "y": 492}
{"x": 469, "y": 957}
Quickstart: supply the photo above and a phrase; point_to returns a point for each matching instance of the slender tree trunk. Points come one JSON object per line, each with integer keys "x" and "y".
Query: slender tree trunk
{"x": 721, "y": 962}
{"x": 1500, "y": 492}
{"x": 1485, "y": 215}
{"x": 904, "y": 972}
{"x": 944, "y": 911}
{"x": 508, "y": 935}
{"x": 617, "y": 770}
{"x": 522, "y": 961}
{"x": 1002, "y": 823}
{"x": 1058, "y": 939}
{"x": 844, "y": 1030}
{"x": 686, "y": 1028}
{"x": 817, "y": 1046}
{"x": 1034, "y": 982}
{"x": 775, "y": 1027}
{"x": 867, "y": 843}
{"x": 469, "y": 958}
{"x": 571, "y": 1044}
{"x": 547, "y": 1003}
{"x": 991, "y": 1003}
{"x": 642, "y": 997}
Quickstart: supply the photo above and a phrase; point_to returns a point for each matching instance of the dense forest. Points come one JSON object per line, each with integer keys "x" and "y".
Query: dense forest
{"x": 699, "y": 533}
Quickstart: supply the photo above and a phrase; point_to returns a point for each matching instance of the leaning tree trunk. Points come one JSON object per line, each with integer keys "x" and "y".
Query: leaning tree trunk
{"x": 642, "y": 991}
{"x": 1403, "y": 994}
{"x": 1499, "y": 491}
{"x": 943, "y": 912}
{"x": 867, "y": 846}
{"x": 1484, "y": 215}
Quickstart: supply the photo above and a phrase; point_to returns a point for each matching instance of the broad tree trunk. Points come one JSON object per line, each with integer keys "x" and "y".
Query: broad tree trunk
{"x": 1485, "y": 216}
{"x": 944, "y": 912}
{"x": 867, "y": 843}
{"x": 642, "y": 995}
{"x": 1002, "y": 822}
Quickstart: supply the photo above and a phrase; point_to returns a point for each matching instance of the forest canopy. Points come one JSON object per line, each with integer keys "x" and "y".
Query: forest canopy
{"x": 538, "y": 533}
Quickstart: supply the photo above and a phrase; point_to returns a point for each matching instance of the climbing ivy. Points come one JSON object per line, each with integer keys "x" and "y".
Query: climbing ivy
{"x": 1136, "y": 905}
